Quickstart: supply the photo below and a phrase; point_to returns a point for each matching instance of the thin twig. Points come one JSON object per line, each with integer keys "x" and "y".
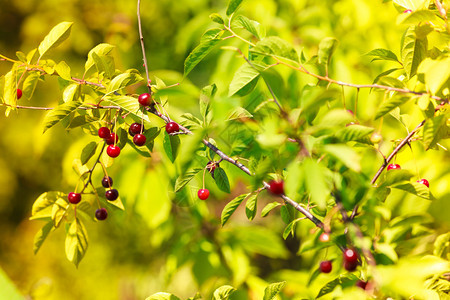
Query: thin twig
{"x": 50, "y": 108}
{"x": 141, "y": 38}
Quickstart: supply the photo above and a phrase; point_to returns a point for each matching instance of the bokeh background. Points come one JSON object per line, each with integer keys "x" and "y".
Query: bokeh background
{"x": 157, "y": 244}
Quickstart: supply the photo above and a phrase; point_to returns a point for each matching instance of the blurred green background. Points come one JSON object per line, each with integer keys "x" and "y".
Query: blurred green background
{"x": 158, "y": 244}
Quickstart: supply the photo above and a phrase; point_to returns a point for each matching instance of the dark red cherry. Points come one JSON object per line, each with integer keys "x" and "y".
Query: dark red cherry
{"x": 101, "y": 214}
{"x": 74, "y": 198}
{"x": 172, "y": 127}
{"x": 112, "y": 194}
{"x": 104, "y": 132}
{"x": 276, "y": 187}
{"x": 145, "y": 99}
{"x": 139, "y": 139}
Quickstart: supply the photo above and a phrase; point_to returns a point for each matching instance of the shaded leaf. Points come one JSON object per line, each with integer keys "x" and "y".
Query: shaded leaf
{"x": 59, "y": 113}
{"x": 76, "y": 242}
{"x": 383, "y": 54}
{"x": 390, "y": 104}
{"x": 171, "y": 145}
{"x": 30, "y": 83}
{"x": 238, "y": 113}
{"x": 355, "y": 132}
{"x": 442, "y": 245}
{"x": 275, "y": 46}
{"x": 268, "y": 208}
{"x": 434, "y": 130}
{"x": 198, "y": 54}
{"x": 88, "y": 151}
{"x": 290, "y": 229}
{"x": 251, "y": 206}
{"x": 342, "y": 280}
{"x": 55, "y": 37}
{"x": 244, "y": 80}
{"x": 229, "y": 209}
{"x": 41, "y": 235}
{"x": 273, "y": 289}
{"x": 185, "y": 178}
{"x": 326, "y": 49}
{"x": 347, "y": 155}
{"x": 206, "y": 95}
{"x": 221, "y": 179}
{"x": 415, "y": 188}
{"x": 215, "y": 17}
{"x": 233, "y": 6}
{"x": 396, "y": 176}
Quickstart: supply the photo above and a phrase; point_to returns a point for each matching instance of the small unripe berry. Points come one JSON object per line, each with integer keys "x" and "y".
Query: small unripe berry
{"x": 172, "y": 127}
{"x": 113, "y": 151}
{"x": 112, "y": 194}
{"x": 203, "y": 194}
{"x": 393, "y": 167}
{"x": 104, "y": 132}
{"x": 107, "y": 182}
{"x": 375, "y": 138}
{"x": 276, "y": 187}
{"x": 145, "y": 99}
{"x": 112, "y": 139}
{"x": 324, "y": 237}
{"x": 326, "y": 266}
{"x": 139, "y": 139}
{"x": 101, "y": 214}
{"x": 424, "y": 182}
{"x": 19, "y": 94}
{"x": 74, "y": 198}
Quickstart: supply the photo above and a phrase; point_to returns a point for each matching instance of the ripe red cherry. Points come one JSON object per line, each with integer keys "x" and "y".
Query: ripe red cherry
{"x": 361, "y": 284}
{"x": 104, "y": 132}
{"x": 112, "y": 194}
{"x": 113, "y": 151}
{"x": 112, "y": 139}
{"x": 325, "y": 266}
{"x": 276, "y": 187}
{"x": 324, "y": 237}
{"x": 424, "y": 181}
{"x": 139, "y": 139}
{"x": 145, "y": 99}
{"x": 107, "y": 181}
{"x": 393, "y": 167}
{"x": 135, "y": 128}
{"x": 101, "y": 214}
{"x": 350, "y": 266}
{"x": 203, "y": 194}
{"x": 19, "y": 94}
{"x": 350, "y": 255}
{"x": 74, "y": 198}
{"x": 172, "y": 127}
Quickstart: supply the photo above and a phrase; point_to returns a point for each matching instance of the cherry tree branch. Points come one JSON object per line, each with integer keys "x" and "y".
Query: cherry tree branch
{"x": 141, "y": 39}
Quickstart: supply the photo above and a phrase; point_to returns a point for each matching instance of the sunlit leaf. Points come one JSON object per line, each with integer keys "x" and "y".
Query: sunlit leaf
{"x": 415, "y": 188}
{"x": 63, "y": 70}
{"x": 414, "y": 50}
{"x": 434, "y": 130}
{"x": 55, "y": 37}
{"x": 326, "y": 49}
{"x": 76, "y": 242}
{"x": 101, "y": 50}
{"x": 59, "y": 113}
{"x": 390, "y": 104}
{"x": 162, "y": 296}
{"x": 233, "y": 6}
{"x": 30, "y": 83}
{"x": 269, "y": 207}
{"x": 223, "y": 293}
{"x": 41, "y": 235}
{"x": 215, "y": 17}
{"x": 275, "y": 46}
{"x": 244, "y": 80}
{"x": 272, "y": 290}
{"x": 42, "y": 206}
{"x": 347, "y": 155}
{"x": 251, "y": 206}
{"x": 10, "y": 90}
{"x": 251, "y": 26}
{"x": 124, "y": 80}
{"x": 185, "y": 178}
{"x": 230, "y": 208}
{"x": 238, "y": 113}
{"x": 341, "y": 280}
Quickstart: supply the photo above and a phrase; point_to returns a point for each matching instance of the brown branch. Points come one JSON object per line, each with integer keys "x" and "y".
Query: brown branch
{"x": 141, "y": 38}
{"x": 50, "y": 108}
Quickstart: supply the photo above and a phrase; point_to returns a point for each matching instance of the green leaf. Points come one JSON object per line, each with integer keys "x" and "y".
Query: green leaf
{"x": 437, "y": 73}
{"x": 215, "y": 17}
{"x": 422, "y": 16}
{"x": 184, "y": 179}
{"x": 101, "y": 50}
{"x": 251, "y": 26}
{"x": 199, "y": 53}
{"x": 390, "y": 104}
{"x": 233, "y": 6}
{"x": 326, "y": 49}
{"x": 434, "y": 130}
{"x": 162, "y": 296}
{"x": 391, "y": 81}
{"x": 88, "y": 151}
{"x": 10, "y": 90}
{"x": 287, "y": 213}
{"x": 316, "y": 183}
{"x": 105, "y": 64}
{"x": 171, "y": 145}
{"x": 414, "y": 50}
{"x": 128, "y": 104}
{"x": 41, "y": 235}
{"x": 55, "y": 37}
{"x": 123, "y": 80}
{"x": 59, "y": 113}
{"x": 229, "y": 209}
{"x": 383, "y": 54}
{"x": 382, "y": 74}
{"x": 397, "y": 176}
{"x": 63, "y": 70}
{"x": 238, "y": 113}
{"x": 347, "y": 155}
{"x": 30, "y": 83}
{"x": 76, "y": 242}
{"x": 275, "y": 46}
{"x": 221, "y": 179}
{"x": 290, "y": 228}
{"x": 42, "y": 206}
{"x": 355, "y": 132}
{"x": 415, "y": 188}
{"x": 272, "y": 290}
{"x": 244, "y": 80}
{"x": 268, "y": 208}
{"x": 223, "y": 293}
{"x": 342, "y": 280}
{"x": 58, "y": 211}
{"x": 71, "y": 92}
{"x": 206, "y": 95}
{"x": 251, "y": 206}
{"x": 442, "y": 245}
{"x": 412, "y": 4}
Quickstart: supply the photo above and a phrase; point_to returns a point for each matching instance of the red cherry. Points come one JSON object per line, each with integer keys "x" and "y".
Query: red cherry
{"x": 393, "y": 167}
{"x": 74, "y": 198}
{"x": 135, "y": 128}
{"x": 104, "y": 132}
{"x": 139, "y": 139}
{"x": 326, "y": 266}
{"x": 172, "y": 127}
{"x": 350, "y": 266}
{"x": 350, "y": 255}
{"x": 424, "y": 181}
{"x": 203, "y": 194}
{"x": 361, "y": 284}
{"x": 107, "y": 181}
{"x": 112, "y": 139}
{"x": 145, "y": 99}
{"x": 113, "y": 150}
{"x": 324, "y": 237}
{"x": 112, "y": 194}
{"x": 101, "y": 214}
{"x": 276, "y": 187}
{"x": 19, "y": 94}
